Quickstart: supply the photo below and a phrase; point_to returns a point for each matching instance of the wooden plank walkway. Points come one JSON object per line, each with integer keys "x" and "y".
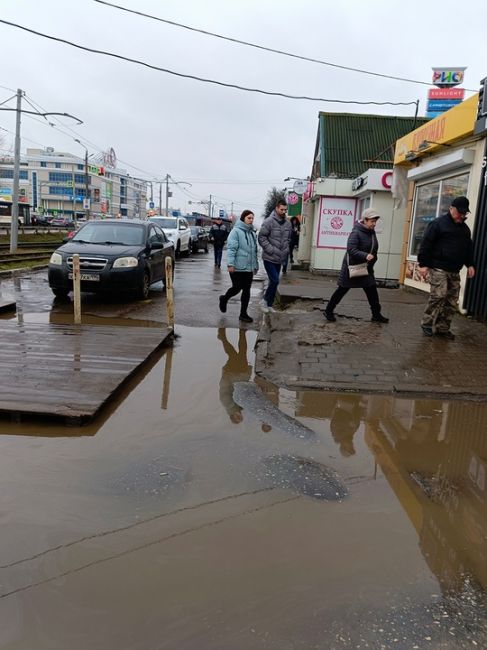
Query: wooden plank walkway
{"x": 69, "y": 371}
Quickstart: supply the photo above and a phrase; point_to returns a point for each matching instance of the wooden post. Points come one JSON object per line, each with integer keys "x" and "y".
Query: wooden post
{"x": 169, "y": 294}
{"x": 76, "y": 290}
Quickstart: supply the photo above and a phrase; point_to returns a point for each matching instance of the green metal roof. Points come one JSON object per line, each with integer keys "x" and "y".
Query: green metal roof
{"x": 349, "y": 142}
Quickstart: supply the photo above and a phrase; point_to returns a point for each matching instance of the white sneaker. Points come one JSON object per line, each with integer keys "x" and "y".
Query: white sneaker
{"x": 264, "y": 306}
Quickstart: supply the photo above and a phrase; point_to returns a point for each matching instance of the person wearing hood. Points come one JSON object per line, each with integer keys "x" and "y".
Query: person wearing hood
{"x": 362, "y": 247}
{"x": 242, "y": 263}
{"x": 274, "y": 237}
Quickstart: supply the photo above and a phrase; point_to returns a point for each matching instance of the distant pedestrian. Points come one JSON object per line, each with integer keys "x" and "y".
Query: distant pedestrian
{"x": 275, "y": 238}
{"x": 362, "y": 248}
{"x": 446, "y": 247}
{"x": 296, "y": 227}
{"x": 219, "y": 234}
{"x": 242, "y": 262}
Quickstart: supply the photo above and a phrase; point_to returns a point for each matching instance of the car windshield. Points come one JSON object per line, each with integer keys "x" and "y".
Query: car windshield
{"x": 167, "y": 223}
{"x": 110, "y": 233}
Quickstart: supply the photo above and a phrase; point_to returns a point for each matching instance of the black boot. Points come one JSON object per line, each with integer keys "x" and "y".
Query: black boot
{"x": 379, "y": 318}
{"x": 245, "y": 318}
{"x": 330, "y": 316}
{"x": 223, "y": 304}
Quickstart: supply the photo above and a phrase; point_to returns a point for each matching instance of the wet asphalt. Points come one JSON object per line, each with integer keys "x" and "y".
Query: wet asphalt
{"x": 193, "y": 515}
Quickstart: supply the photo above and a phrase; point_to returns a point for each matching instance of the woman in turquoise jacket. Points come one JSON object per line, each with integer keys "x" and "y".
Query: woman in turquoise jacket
{"x": 242, "y": 263}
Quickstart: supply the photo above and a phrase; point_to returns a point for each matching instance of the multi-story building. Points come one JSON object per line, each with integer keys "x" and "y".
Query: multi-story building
{"x": 54, "y": 183}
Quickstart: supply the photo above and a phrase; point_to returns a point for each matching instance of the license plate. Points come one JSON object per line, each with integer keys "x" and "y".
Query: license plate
{"x": 88, "y": 277}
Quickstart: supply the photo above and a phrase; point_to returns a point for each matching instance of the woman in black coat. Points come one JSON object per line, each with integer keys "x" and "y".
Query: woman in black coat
{"x": 362, "y": 246}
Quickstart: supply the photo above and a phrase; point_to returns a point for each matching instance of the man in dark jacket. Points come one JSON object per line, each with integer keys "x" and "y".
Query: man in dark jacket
{"x": 274, "y": 237}
{"x": 446, "y": 247}
{"x": 219, "y": 234}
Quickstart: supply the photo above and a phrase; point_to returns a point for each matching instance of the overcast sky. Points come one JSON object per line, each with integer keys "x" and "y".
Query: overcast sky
{"x": 225, "y": 142}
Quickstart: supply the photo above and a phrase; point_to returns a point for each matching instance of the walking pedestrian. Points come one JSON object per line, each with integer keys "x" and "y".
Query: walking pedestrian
{"x": 296, "y": 227}
{"x": 362, "y": 247}
{"x": 219, "y": 234}
{"x": 274, "y": 237}
{"x": 446, "y": 247}
{"x": 242, "y": 263}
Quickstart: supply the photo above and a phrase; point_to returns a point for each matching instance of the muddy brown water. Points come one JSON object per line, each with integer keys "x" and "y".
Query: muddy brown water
{"x": 165, "y": 524}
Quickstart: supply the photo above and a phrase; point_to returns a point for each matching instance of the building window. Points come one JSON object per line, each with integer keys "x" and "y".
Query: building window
{"x": 81, "y": 166}
{"x": 363, "y": 204}
{"x": 9, "y": 173}
{"x": 431, "y": 201}
{"x": 43, "y": 163}
{"x": 57, "y": 165}
{"x": 65, "y": 177}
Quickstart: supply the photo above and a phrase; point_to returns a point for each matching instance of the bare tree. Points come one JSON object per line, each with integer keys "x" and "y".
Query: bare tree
{"x": 273, "y": 196}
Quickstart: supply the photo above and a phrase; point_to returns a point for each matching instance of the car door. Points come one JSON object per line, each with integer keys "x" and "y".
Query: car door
{"x": 185, "y": 234}
{"x": 156, "y": 254}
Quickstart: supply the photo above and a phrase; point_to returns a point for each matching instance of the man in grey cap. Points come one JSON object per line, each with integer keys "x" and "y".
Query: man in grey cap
{"x": 446, "y": 247}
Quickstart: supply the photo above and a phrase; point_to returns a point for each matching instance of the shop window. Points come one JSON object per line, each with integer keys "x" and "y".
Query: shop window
{"x": 363, "y": 204}
{"x": 431, "y": 201}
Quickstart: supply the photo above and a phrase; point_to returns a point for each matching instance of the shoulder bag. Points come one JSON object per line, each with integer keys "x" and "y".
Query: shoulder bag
{"x": 359, "y": 270}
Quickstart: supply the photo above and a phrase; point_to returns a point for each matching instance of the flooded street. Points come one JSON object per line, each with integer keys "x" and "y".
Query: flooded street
{"x": 194, "y": 513}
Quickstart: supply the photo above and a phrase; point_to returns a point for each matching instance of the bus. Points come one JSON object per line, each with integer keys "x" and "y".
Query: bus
{"x": 6, "y": 212}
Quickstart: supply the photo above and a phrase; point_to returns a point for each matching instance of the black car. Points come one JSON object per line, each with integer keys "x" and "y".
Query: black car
{"x": 199, "y": 239}
{"x": 115, "y": 256}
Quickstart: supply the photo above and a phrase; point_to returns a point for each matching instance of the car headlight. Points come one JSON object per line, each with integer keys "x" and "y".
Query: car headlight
{"x": 125, "y": 262}
{"x": 56, "y": 258}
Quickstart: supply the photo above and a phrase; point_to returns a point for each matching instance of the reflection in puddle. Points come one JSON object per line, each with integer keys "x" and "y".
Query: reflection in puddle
{"x": 194, "y": 505}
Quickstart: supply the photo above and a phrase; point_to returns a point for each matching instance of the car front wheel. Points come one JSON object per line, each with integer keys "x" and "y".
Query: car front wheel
{"x": 61, "y": 293}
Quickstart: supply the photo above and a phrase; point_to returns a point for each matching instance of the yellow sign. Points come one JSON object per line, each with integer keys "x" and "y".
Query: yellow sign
{"x": 456, "y": 123}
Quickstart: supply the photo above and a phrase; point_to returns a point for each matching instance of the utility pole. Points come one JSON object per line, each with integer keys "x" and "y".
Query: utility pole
{"x": 14, "y": 227}
{"x": 160, "y": 198}
{"x": 167, "y": 195}
{"x": 210, "y": 208}
{"x": 87, "y": 189}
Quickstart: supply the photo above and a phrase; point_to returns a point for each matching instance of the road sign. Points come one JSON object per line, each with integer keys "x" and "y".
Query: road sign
{"x": 300, "y": 186}
{"x": 86, "y": 204}
{"x": 151, "y": 205}
{"x": 221, "y": 213}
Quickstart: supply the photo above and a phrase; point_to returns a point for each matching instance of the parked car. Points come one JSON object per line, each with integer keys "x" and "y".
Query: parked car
{"x": 62, "y": 222}
{"x": 199, "y": 239}
{"x": 115, "y": 256}
{"x": 177, "y": 230}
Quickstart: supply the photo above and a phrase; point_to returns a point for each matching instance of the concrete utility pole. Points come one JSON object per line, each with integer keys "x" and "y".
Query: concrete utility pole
{"x": 167, "y": 195}
{"x": 210, "y": 208}
{"x": 87, "y": 181}
{"x": 160, "y": 198}
{"x": 14, "y": 227}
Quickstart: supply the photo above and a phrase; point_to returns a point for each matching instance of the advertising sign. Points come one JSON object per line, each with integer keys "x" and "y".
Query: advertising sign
{"x": 300, "y": 186}
{"x": 337, "y": 217}
{"x": 448, "y": 76}
{"x": 446, "y": 93}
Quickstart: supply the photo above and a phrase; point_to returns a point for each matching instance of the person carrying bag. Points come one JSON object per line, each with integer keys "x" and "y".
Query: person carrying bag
{"x": 358, "y": 267}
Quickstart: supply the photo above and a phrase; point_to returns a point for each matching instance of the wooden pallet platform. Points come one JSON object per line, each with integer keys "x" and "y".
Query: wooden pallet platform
{"x": 69, "y": 371}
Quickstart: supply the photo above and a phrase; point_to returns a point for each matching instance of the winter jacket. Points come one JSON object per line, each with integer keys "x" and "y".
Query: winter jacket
{"x": 446, "y": 245}
{"x": 219, "y": 234}
{"x": 361, "y": 242}
{"x": 274, "y": 237}
{"x": 242, "y": 248}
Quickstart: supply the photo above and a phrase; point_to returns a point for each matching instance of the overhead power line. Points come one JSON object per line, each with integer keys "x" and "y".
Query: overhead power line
{"x": 262, "y": 47}
{"x": 202, "y": 79}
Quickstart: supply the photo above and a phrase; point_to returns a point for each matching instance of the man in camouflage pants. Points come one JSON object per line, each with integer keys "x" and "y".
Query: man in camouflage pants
{"x": 446, "y": 247}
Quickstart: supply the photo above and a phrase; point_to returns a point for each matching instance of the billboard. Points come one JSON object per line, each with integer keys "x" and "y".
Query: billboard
{"x": 447, "y": 77}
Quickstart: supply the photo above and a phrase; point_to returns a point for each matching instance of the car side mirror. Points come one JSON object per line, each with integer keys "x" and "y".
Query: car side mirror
{"x": 157, "y": 245}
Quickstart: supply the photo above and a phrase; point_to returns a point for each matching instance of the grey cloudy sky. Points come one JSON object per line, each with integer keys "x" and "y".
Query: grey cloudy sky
{"x": 229, "y": 143}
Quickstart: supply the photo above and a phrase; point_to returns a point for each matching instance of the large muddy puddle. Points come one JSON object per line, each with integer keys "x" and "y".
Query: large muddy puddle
{"x": 192, "y": 516}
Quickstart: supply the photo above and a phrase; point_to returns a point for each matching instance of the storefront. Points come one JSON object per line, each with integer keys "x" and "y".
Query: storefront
{"x": 336, "y": 205}
{"x": 441, "y": 160}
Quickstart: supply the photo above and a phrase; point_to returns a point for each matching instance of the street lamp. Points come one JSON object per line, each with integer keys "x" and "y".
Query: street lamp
{"x": 87, "y": 199}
